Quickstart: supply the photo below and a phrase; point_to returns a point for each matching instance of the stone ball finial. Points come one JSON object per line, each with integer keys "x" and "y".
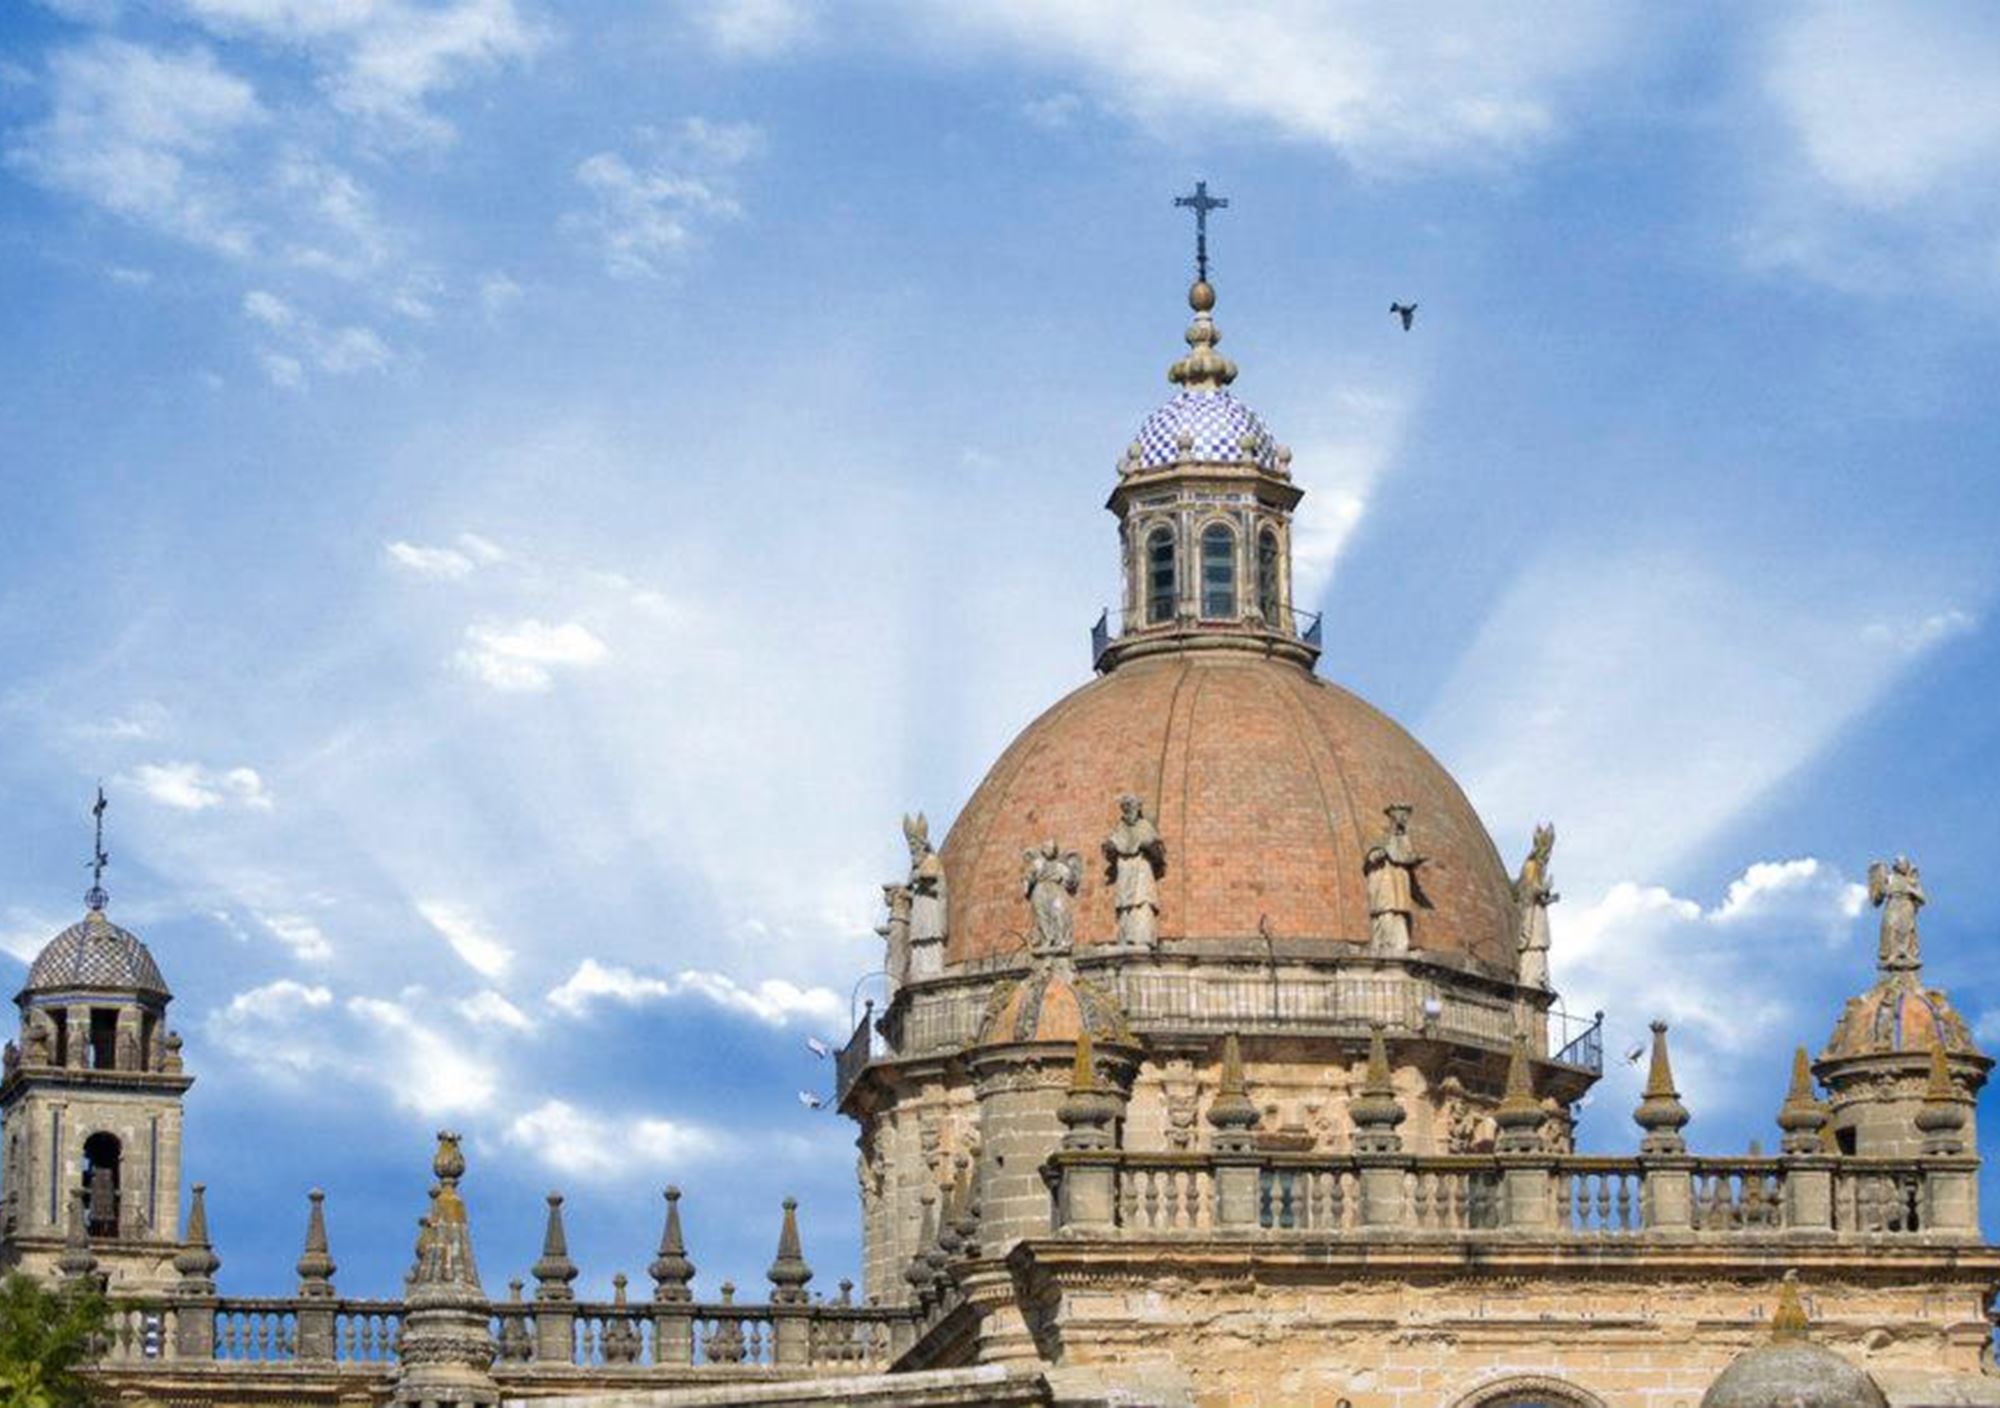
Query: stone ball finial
{"x": 1201, "y": 296}
{"x": 449, "y": 1162}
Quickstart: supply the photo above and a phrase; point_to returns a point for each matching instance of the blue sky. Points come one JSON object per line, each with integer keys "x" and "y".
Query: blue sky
{"x": 517, "y": 499}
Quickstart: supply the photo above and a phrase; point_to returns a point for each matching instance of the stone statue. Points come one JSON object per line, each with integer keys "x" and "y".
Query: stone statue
{"x": 103, "y": 1202}
{"x": 1049, "y": 879}
{"x": 927, "y": 900}
{"x": 38, "y": 1038}
{"x": 1532, "y": 898}
{"x": 1134, "y": 860}
{"x": 1896, "y": 891}
{"x": 896, "y": 934}
{"x": 1394, "y": 895}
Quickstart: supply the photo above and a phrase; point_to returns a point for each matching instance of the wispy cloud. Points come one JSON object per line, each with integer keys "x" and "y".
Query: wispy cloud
{"x": 468, "y": 937}
{"x": 191, "y": 787}
{"x": 755, "y": 29}
{"x": 584, "y": 1144}
{"x": 524, "y": 657}
{"x": 131, "y": 130}
{"x": 646, "y": 213}
{"x": 301, "y": 935}
{"x": 293, "y": 338}
{"x": 772, "y": 1001}
{"x": 446, "y": 563}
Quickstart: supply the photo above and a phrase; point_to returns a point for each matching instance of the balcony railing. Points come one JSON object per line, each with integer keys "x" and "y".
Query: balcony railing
{"x": 1120, "y": 1193}
{"x": 1289, "y": 622}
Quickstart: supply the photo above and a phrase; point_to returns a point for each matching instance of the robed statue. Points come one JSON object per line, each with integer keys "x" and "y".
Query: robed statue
{"x": 927, "y": 893}
{"x": 1134, "y": 860}
{"x": 1394, "y": 896}
{"x": 1532, "y": 898}
{"x": 1050, "y": 879}
{"x": 896, "y": 933}
{"x": 1895, "y": 890}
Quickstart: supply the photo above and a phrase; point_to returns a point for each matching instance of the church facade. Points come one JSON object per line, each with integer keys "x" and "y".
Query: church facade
{"x": 1219, "y": 1066}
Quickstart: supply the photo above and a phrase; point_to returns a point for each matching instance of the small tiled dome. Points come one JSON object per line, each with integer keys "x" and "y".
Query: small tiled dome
{"x": 1049, "y": 1005}
{"x": 1215, "y": 424}
{"x": 1792, "y": 1374}
{"x": 1898, "y": 1014}
{"x": 96, "y": 954}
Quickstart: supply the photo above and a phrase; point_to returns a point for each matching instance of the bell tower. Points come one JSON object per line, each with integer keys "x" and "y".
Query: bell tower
{"x": 90, "y": 1105}
{"x": 1204, "y": 503}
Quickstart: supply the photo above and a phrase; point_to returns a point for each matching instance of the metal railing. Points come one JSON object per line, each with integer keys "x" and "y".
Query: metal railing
{"x": 1287, "y": 621}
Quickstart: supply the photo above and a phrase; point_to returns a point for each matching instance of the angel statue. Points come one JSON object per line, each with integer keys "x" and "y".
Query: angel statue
{"x": 1049, "y": 878}
{"x": 1134, "y": 860}
{"x": 927, "y": 899}
{"x": 1896, "y": 891}
{"x": 1394, "y": 896}
{"x": 1532, "y": 898}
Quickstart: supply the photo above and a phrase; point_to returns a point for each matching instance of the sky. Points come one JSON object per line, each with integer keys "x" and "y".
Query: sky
{"x": 515, "y": 500}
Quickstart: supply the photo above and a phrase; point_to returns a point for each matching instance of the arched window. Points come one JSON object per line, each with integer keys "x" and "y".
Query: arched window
{"x": 1218, "y": 572}
{"x": 101, "y": 1157}
{"x": 1267, "y": 576}
{"x": 1161, "y": 587}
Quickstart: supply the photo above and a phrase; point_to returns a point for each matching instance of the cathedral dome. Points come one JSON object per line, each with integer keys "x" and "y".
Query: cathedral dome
{"x": 1268, "y": 786}
{"x": 1204, "y": 426}
{"x": 96, "y": 954}
{"x": 1895, "y": 1016}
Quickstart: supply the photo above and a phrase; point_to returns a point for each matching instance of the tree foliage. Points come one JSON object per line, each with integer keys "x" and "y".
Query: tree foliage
{"x": 46, "y": 1336}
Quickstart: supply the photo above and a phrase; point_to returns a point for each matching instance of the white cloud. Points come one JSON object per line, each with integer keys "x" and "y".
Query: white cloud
{"x": 1386, "y": 87}
{"x": 755, "y": 29}
{"x": 498, "y": 293}
{"x": 586, "y": 1145}
{"x": 190, "y": 787}
{"x": 489, "y": 1009}
{"x": 468, "y": 937}
{"x": 275, "y": 1029}
{"x": 446, "y": 563}
{"x": 26, "y": 931}
{"x": 383, "y": 60}
{"x": 525, "y": 656}
{"x": 423, "y": 1069}
{"x": 1913, "y": 637}
{"x": 1629, "y": 698}
{"x": 267, "y": 308}
{"x": 341, "y": 351}
{"x": 1053, "y": 113}
{"x": 130, "y": 129}
{"x": 1338, "y": 472}
{"x": 773, "y": 1001}
{"x": 1781, "y": 928}
{"x": 301, "y": 935}
{"x": 643, "y": 218}
{"x": 286, "y": 372}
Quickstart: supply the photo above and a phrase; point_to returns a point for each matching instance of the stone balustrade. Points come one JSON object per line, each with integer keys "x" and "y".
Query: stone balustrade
{"x": 1122, "y": 1193}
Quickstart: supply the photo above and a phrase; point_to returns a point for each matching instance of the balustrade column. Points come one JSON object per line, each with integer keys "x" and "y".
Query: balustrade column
{"x": 1809, "y": 1193}
{"x": 1527, "y": 1188}
{"x": 194, "y": 1326}
{"x": 1668, "y": 1193}
{"x": 1086, "y": 1190}
{"x": 1951, "y": 1194}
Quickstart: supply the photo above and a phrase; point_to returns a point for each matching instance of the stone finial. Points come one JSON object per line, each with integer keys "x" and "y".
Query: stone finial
{"x": 1941, "y": 1117}
{"x": 918, "y": 1273}
{"x": 1375, "y": 1110}
{"x": 316, "y": 1265}
{"x": 447, "y": 1343}
{"x": 1788, "y": 1321}
{"x": 1233, "y": 1114}
{"x": 965, "y": 1203}
{"x": 170, "y": 1060}
{"x": 789, "y": 1272}
{"x": 77, "y": 1263}
{"x": 445, "y": 1268}
{"x": 1802, "y": 1116}
{"x": 1661, "y": 1113}
{"x": 553, "y": 1270}
{"x": 197, "y": 1261}
{"x": 846, "y": 1296}
{"x": 671, "y": 1270}
{"x": 1090, "y": 1108}
{"x": 724, "y": 1344}
{"x": 1203, "y": 369}
{"x": 1520, "y": 1115}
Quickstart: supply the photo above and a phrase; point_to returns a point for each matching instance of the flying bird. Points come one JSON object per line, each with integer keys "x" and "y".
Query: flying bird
{"x": 810, "y": 1100}
{"x": 1634, "y": 1054}
{"x": 1406, "y": 311}
{"x": 818, "y": 1047}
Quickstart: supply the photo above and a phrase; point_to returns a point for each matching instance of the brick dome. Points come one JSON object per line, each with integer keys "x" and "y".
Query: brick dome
{"x": 1898, "y": 1015}
{"x": 1268, "y": 786}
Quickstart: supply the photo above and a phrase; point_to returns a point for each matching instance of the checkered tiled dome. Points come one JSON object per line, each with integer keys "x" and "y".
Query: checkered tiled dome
{"x": 1217, "y": 423}
{"x": 95, "y": 953}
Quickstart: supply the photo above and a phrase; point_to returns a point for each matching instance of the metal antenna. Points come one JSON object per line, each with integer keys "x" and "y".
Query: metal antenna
{"x": 1201, "y": 202}
{"x": 95, "y": 896}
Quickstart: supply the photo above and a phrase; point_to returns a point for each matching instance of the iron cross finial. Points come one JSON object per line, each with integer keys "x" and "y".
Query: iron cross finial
{"x": 96, "y": 898}
{"x": 1201, "y": 202}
